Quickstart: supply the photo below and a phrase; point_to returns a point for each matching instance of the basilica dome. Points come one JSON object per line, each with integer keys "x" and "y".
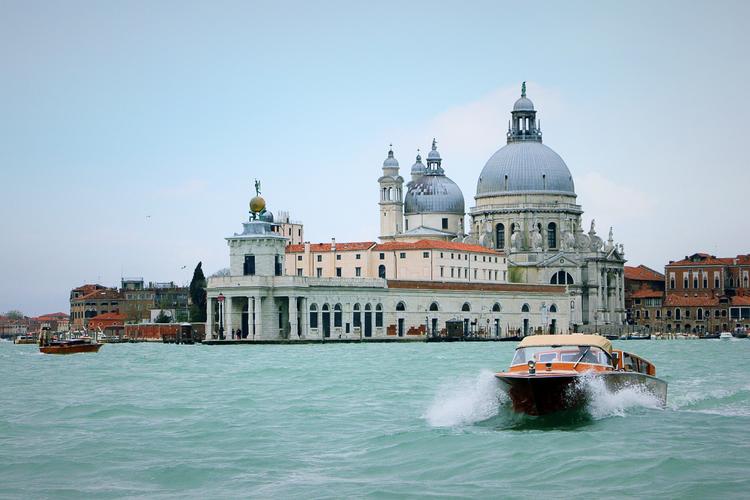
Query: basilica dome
{"x": 524, "y": 164}
{"x": 433, "y": 192}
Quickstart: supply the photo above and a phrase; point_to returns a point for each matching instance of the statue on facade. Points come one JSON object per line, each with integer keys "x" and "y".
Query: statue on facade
{"x": 535, "y": 238}
{"x": 596, "y": 242}
{"x": 257, "y": 187}
{"x": 516, "y": 243}
{"x": 610, "y": 241}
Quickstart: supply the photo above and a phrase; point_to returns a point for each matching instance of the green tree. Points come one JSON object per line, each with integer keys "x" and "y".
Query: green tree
{"x": 14, "y": 314}
{"x": 198, "y": 295}
{"x": 163, "y": 318}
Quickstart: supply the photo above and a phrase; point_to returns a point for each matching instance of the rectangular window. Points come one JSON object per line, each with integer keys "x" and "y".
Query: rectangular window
{"x": 445, "y": 222}
{"x": 441, "y": 255}
{"x": 338, "y": 256}
{"x": 358, "y": 271}
{"x": 299, "y": 272}
{"x": 319, "y": 258}
{"x": 319, "y": 272}
{"x": 358, "y": 256}
{"x": 475, "y": 258}
{"x": 685, "y": 281}
{"x": 248, "y": 268}
{"x": 441, "y": 271}
{"x": 402, "y": 255}
{"x": 338, "y": 272}
{"x": 382, "y": 256}
{"x": 452, "y": 273}
{"x": 299, "y": 257}
{"x": 277, "y": 266}
{"x": 425, "y": 255}
{"x": 475, "y": 274}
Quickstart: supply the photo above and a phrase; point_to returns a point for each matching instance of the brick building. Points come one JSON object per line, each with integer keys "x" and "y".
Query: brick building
{"x": 705, "y": 293}
{"x": 644, "y": 295}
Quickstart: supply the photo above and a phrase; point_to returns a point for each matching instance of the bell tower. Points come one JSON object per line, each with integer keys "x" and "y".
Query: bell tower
{"x": 391, "y": 198}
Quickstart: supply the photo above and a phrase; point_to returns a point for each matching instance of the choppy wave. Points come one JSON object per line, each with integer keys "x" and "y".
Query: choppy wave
{"x": 603, "y": 402}
{"x": 466, "y": 401}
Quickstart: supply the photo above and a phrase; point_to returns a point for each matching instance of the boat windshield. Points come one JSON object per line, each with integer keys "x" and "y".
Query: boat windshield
{"x": 561, "y": 354}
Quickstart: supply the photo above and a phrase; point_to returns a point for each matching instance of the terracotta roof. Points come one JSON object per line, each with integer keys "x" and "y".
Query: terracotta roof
{"x": 109, "y": 316}
{"x": 88, "y": 288}
{"x": 645, "y": 293}
{"x": 674, "y": 300}
{"x": 482, "y": 287}
{"x": 434, "y": 245}
{"x": 99, "y": 294}
{"x": 53, "y": 316}
{"x": 328, "y": 247}
{"x": 741, "y": 300}
{"x": 642, "y": 273}
{"x": 702, "y": 259}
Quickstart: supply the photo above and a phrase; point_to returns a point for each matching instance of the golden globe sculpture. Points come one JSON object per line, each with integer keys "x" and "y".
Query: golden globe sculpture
{"x": 257, "y": 204}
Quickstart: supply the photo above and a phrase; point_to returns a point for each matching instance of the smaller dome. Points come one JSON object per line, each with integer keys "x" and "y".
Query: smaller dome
{"x": 434, "y": 194}
{"x": 266, "y": 217}
{"x": 523, "y": 104}
{"x": 433, "y": 155}
{"x": 418, "y": 168}
{"x": 391, "y": 160}
{"x": 257, "y": 203}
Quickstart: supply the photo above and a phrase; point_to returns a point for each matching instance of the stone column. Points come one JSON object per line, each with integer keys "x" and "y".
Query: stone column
{"x": 293, "y": 318}
{"x": 250, "y": 321}
{"x": 304, "y": 317}
{"x": 228, "y": 313}
{"x": 209, "y": 318}
{"x": 258, "y": 316}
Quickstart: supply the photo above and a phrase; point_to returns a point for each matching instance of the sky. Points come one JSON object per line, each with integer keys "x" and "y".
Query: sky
{"x": 131, "y": 132}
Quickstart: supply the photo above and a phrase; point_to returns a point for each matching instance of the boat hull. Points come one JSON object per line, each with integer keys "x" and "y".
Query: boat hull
{"x": 70, "y": 349}
{"x": 543, "y": 393}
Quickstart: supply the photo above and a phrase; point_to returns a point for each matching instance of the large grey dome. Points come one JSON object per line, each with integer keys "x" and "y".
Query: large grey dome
{"x": 434, "y": 194}
{"x": 525, "y": 166}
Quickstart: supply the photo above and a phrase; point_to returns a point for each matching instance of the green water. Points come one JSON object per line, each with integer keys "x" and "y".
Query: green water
{"x": 371, "y": 420}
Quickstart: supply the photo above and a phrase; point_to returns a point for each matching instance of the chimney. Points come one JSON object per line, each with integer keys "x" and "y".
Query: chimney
{"x": 333, "y": 244}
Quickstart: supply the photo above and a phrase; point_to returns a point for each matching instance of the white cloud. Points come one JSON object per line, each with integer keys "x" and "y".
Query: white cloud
{"x": 610, "y": 202}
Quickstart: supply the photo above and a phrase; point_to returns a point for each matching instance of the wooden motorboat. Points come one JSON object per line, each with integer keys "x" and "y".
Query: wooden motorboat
{"x": 67, "y": 346}
{"x": 548, "y": 372}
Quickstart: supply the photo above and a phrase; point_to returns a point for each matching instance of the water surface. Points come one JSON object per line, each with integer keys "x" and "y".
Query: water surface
{"x": 371, "y": 420}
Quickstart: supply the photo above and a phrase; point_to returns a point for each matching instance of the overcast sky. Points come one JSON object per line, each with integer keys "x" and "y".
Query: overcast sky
{"x": 131, "y": 132}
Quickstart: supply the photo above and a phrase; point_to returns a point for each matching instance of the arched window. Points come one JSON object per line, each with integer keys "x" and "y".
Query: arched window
{"x": 313, "y": 316}
{"x": 525, "y": 308}
{"x": 677, "y": 313}
{"x": 337, "y": 316}
{"x": 700, "y": 313}
{"x": 357, "y": 316}
{"x": 434, "y": 307}
{"x": 551, "y": 235}
{"x": 500, "y": 236}
{"x": 553, "y": 308}
{"x": 466, "y": 307}
{"x": 561, "y": 278}
{"x": 496, "y": 308}
{"x": 368, "y": 307}
{"x": 381, "y": 271}
{"x": 379, "y": 316}
{"x": 401, "y": 306}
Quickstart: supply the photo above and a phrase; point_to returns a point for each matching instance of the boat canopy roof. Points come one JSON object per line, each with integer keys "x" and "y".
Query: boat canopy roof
{"x": 574, "y": 339}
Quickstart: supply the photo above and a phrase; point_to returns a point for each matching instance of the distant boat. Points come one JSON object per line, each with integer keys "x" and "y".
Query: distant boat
{"x": 740, "y": 333}
{"x": 725, "y": 336}
{"x": 25, "y": 339}
{"x": 67, "y": 346}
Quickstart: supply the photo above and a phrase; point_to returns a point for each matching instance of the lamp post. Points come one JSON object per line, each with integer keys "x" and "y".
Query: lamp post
{"x": 220, "y": 300}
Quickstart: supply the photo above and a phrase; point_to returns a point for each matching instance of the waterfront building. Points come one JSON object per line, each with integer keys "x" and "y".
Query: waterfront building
{"x": 293, "y": 230}
{"x": 705, "y": 293}
{"x": 526, "y": 206}
{"x": 644, "y": 296}
{"x": 259, "y": 300}
{"x": 54, "y": 322}
{"x": 99, "y": 300}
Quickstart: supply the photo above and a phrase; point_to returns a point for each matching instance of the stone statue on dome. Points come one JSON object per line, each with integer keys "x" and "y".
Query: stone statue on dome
{"x": 516, "y": 240}
{"x": 535, "y": 238}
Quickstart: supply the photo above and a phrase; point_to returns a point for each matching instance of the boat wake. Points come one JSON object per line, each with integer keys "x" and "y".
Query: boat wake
{"x": 603, "y": 402}
{"x": 466, "y": 401}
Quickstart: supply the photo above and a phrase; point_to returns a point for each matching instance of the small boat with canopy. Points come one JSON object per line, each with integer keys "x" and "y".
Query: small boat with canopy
{"x": 547, "y": 372}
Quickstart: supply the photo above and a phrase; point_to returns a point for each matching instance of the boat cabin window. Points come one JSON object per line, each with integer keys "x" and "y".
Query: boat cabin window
{"x": 561, "y": 354}
{"x": 633, "y": 363}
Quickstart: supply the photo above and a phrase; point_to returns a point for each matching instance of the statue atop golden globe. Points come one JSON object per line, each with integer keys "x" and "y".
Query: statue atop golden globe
{"x": 257, "y": 203}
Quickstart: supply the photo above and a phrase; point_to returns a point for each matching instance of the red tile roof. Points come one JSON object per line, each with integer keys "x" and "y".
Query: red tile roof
{"x": 53, "y": 316}
{"x": 434, "y": 245}
{"x": 674, "y": 300}
{"x": 328, "y": 247}
{"x": 642, "y": 273}
{"x": 702, "y": 259}
{"x": 741, "y": 300}
{"x": 99, "y": 294}
{"x": 645, "y": 293}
